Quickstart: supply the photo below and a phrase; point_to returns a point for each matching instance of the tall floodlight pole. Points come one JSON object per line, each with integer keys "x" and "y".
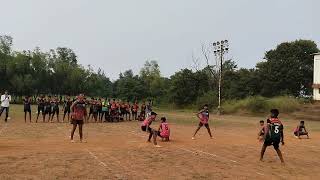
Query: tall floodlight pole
{"x": 220, "y": 49}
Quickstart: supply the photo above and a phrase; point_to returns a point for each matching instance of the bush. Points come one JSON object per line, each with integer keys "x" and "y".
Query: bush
{"x": 258, "y": 104}
{"x": 209, "y": 98}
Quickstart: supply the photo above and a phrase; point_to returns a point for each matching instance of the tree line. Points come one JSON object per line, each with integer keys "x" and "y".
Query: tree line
{"x": 286, "y": 70}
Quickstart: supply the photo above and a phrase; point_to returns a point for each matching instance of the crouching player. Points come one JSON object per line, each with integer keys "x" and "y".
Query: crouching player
{"x": 145, "y": 126}
{"x": 301, "y": 130}
{"x": 78, "y": 115}
{"x": 164, "y": 130}
{"x": 203, "y": 116}
{"x": 273, "y": 135}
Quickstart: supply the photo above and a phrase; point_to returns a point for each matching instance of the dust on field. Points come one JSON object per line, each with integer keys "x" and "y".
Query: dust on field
{"x": 120, "y": 151}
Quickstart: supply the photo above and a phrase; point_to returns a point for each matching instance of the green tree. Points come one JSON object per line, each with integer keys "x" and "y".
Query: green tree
{"x": 288, "y": 69}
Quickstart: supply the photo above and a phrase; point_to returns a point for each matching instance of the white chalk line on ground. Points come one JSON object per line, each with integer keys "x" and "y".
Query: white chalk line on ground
{"x": 97, "y": 159}
{"x": 197, "y": 152}
{"x": 101, "y": 163}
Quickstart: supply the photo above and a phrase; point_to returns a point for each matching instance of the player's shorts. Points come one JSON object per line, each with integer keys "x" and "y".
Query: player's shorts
{"x": 47, "y": 111}
{"x": 75, "y": 122}
{"x": 27, "y": 110}
{"x": 274, "y": 142}
{"x": 204, "y": 124}
{"x": 144, "y": 128}
{"x": 40, "y": 109}
{"x": 55, "y": 110}
{"x": 94, "y": 112}
{"x": 67, "y": 110}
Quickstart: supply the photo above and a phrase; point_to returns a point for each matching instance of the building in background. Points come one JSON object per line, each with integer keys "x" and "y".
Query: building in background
{"x": 316, "y": 77}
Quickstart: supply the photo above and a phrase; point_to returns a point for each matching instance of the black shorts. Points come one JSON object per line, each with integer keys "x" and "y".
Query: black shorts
{"x": 94, "y": 112}
{"x": 75, "y": 122}
{"x": 40, "y": 109}
{"x": 47, "y": 111}
{"x": 55, "y": 110}
{"x": 66, "y": 110}
{"x": 202, "y": 124}
{"x": 144, "y": 128}
{"x": 27, "y": 110}
{"x": 274, "y": 142}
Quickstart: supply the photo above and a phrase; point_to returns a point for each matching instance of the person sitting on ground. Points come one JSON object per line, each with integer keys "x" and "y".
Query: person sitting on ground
{"x": 301, "y": 130}
{"x": 164, "y": 130}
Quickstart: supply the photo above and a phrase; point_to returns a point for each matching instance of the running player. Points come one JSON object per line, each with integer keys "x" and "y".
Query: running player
{"x": 78, "y": 115}
{"x": 27, "y": 108}
{"x": 164, "y": 130}
{"x": 203, "y": 116}
{"x": 134, "y": 110}
{"x": 145, "y": 126}
{"x": 67, "y": 108}
{"x": 273, "y": 135}
{"x": 47, "y": 108}
{"x": 41, "y": 104}
{"x": 301, "y": 130}
{"x": 55, "y": 108}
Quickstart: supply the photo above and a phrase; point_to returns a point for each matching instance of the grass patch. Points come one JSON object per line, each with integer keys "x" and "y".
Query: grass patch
{"x": 259, "y": 104}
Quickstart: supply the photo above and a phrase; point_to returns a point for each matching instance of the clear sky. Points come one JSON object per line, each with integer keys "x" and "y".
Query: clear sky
{"x": 117, "y": 35}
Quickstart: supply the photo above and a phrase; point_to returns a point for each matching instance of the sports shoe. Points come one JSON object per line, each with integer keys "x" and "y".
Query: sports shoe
{"x": 157, "y": 146}
{"x": 72, "y": 141}
{"x": 193, "y": 138}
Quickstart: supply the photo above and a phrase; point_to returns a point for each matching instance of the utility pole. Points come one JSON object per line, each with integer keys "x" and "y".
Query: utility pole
{"x": 220, "y": 48}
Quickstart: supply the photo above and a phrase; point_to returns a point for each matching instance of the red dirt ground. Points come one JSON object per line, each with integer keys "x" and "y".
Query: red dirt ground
{"x": 120, "y": 151}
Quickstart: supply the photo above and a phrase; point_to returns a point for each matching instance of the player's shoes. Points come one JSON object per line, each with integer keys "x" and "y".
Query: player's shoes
{"x": 193, "y": 138}
{"x": 72, "y": 141}
{"x": 157, "y": 146}
{"x": 211, "y": 137}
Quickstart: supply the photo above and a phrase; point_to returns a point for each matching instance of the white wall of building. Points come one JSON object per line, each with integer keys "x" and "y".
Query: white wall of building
{"x": 316, "y": 77}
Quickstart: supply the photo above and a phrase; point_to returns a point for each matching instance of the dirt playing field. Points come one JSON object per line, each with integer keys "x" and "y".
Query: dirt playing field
{"x": 120, "y": 151}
